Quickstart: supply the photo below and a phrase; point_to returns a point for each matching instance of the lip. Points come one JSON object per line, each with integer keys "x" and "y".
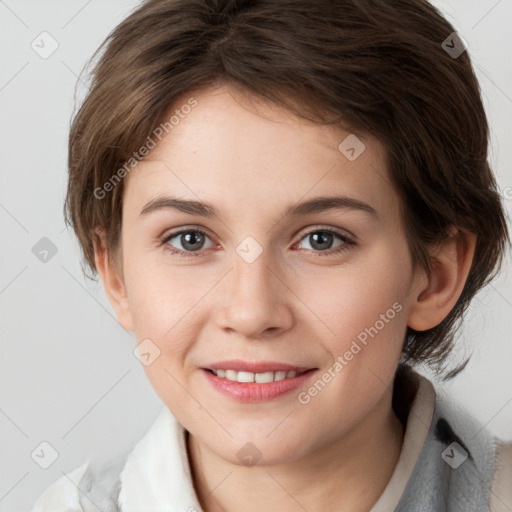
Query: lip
{"x": 255, "y": 367}
{"x": 253, "y": 391}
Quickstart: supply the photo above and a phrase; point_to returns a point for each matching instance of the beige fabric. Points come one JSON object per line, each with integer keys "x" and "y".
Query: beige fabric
{"x": 418, "y": 424}
{"x": 501, "y": 488}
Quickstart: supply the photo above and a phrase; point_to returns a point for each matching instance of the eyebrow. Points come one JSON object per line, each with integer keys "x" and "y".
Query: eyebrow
{"x": 203, "y": 209}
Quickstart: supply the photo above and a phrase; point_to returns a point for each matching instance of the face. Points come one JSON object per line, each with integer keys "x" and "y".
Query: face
{"x": 257, "y": 283}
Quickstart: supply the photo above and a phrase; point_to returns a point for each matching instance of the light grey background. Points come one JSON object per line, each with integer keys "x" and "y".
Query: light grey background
{"x": 68, "y": 373}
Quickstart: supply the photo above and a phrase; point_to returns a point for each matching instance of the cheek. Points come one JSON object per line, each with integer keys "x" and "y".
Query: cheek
{"x": 349, "y": 299}
{"x": 365, "y": 309}
{"x": 363, "y": 313}
{"x": 161, "y": 294}
{"x": 168, "y": 308}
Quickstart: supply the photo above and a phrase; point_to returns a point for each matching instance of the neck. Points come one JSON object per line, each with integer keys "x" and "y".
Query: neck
{"x": 349, "y": 474}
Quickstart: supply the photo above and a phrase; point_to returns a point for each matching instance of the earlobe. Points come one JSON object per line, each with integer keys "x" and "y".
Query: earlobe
{"x": 437, "y": 293}
{"x": 113, "y": 283}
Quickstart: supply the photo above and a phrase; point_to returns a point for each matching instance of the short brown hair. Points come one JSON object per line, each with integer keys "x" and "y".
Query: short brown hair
{"x": 378, "y": 67}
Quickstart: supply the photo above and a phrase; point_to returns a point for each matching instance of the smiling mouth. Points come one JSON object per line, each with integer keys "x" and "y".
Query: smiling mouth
{"x": 261, "y": 378}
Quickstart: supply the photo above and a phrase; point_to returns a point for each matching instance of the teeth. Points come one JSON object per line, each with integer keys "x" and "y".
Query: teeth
{"x": 245, "y": 377}
{"x": 254, "y": 377}
{"x": 264, "y": 377}
{"x": 280, "y": 376}
{"x": 231, "y": 374}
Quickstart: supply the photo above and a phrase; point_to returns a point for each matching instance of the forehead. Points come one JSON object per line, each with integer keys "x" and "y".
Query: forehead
{"x": 230, "y": 146}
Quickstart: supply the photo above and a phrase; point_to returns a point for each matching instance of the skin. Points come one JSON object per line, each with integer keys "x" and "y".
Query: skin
{"x": 294, "y": 303}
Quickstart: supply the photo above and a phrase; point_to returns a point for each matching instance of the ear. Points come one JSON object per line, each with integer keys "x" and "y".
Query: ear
{"x": 437, "y": 293}
{"x": 113, "y": 282}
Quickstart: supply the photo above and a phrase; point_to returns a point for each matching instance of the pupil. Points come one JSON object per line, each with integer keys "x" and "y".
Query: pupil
{"x": 320, "y": 239}
{"x": 191, "y": 239}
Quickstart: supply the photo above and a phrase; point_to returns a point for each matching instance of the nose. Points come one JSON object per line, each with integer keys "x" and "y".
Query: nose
{"x": 255, "y": 300}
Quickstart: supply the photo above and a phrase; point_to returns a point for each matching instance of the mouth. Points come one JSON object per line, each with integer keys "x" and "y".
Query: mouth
{"x": 256, "y": 382}
{"x": 261, "y": 372}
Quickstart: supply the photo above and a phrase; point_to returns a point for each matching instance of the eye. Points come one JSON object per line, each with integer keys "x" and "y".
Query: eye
{"x": 190, "y": 240}
{"x": 321, "y": 241}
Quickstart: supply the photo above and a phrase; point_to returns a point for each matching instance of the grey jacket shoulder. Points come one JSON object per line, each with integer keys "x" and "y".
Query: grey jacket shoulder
{"x": 91, "y": 487}
{"x": 101, "y": 484}
{"x": 456, "y": 467}
{"x": 63, "y": 495}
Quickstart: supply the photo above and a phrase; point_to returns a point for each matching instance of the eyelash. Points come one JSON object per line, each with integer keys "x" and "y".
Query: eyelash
{"x": 347, "y": 243}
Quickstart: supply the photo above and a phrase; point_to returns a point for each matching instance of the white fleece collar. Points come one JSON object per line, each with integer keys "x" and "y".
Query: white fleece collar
{"x": 157, "y": 471}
